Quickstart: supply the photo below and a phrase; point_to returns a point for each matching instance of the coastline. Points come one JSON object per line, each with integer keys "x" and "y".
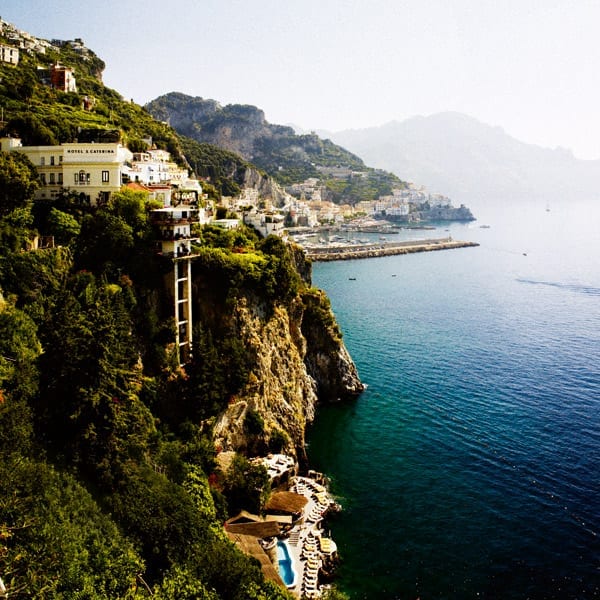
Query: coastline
{"x": 349, "y": 252}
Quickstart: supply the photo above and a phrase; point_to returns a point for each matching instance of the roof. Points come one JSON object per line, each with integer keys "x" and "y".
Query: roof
{"x": 287, "y": 502}
{"x": 263, "y": 529}
{"x": 135, "y": 185}
{"x": 249, "y": 545}
{"x": 283, "y": 519}
{"x": 243, "y": 517}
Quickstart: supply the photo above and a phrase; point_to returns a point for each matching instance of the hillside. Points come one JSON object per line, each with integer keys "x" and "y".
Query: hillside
{"x": 42, "y": 115}
{"x": 287, "y": 157}
{"x": 109, "y": 448}
{"x": 472, "y": 162}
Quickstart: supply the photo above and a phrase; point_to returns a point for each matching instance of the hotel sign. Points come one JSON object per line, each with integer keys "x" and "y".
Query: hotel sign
{"x": 89, "y": 151}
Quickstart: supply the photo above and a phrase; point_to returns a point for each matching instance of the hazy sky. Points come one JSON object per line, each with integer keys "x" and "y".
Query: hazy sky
{"x": 529, "y": 66}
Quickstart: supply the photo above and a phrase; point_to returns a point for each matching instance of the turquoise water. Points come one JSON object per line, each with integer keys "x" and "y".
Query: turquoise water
{"x": 470, "y": 467}
{"x": 286, "y": 567}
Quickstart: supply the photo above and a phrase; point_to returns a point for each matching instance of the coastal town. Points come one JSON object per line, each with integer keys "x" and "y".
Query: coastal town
{"x": 98, "y": 164}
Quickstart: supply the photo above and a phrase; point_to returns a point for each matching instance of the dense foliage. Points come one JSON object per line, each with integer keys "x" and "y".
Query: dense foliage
{"x": 104, "y": 463}
{"x": 109, "y": 478}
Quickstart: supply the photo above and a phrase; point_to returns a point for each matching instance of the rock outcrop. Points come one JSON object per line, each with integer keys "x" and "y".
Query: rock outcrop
{"x": 298, "y": 363}
{"x": 266, "y": 186}
{"x": 450, "y": 213}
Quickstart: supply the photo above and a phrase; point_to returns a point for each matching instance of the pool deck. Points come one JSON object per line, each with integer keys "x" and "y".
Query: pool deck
{"x": 307, "y": 545}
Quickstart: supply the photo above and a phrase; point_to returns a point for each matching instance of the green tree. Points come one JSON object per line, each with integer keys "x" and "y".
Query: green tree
{"x": 181, "y": 584}
{"x": 15, "y": 230}
{"x": 161, "y": 517}
{"x": 62, "y": 226}
{"x": 90, "y": 412}
{"x": 246, "y": 486}
{"x": 19, "y": 350}
{"x": 54, "y": 540}
{"x": 18, "y": 181}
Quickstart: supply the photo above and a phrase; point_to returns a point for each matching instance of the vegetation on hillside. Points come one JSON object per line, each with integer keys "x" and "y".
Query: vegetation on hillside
{"x": 40, "y": 115}
{"x": 110, "y": 484}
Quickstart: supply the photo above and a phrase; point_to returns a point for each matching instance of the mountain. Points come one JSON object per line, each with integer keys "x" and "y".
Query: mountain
{"x": 287, "y": 157}
{"x": 472, "y": 162}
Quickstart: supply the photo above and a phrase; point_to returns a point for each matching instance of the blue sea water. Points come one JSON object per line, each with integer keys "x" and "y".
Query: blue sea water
{"x": 470, "y": 467}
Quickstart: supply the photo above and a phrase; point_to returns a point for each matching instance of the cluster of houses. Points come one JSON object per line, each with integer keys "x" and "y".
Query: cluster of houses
{"x": 19, "y": 41}
{"x": 312, "y": 194}
{"x": 56, "y": 76}
{"x": 400, "y": 203}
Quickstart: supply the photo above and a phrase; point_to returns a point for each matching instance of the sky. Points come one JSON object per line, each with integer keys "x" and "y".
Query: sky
{"x": 528, "y": 66}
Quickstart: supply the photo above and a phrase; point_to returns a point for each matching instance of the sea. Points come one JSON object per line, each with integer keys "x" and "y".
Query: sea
{"x": 470, "y": 466}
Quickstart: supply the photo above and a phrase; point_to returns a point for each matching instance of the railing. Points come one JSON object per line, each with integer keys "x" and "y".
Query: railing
{"x": 172, "y": 221}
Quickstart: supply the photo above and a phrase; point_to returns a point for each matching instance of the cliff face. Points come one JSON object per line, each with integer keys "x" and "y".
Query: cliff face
{"x": 266, "y": 186}
{"x": 235, "y": 127}
{"x": 298, "y": 362}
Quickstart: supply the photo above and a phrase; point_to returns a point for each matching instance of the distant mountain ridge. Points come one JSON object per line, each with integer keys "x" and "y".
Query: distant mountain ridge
{"x": 286, "y": 156}
{"x": 472, "y": 162}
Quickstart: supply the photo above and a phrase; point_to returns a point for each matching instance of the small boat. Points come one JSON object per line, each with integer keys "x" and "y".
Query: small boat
{"x": 352, "y": 278}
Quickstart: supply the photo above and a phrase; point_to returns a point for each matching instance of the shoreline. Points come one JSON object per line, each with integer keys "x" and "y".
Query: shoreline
{"x": 331, "y": 253}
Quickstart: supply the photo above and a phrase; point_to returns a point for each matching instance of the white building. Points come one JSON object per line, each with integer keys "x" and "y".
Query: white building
{"x": 266, "y": 223}
{"x": 95, "y": 170}
{"x": 8, "y": 54}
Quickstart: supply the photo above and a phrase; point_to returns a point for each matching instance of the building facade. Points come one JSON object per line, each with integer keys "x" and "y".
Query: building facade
{"x": 93, "y": 171}
{"x": 8, "y": 54}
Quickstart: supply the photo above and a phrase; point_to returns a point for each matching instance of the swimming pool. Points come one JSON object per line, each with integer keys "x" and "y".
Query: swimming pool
{"x": 286, "y": 564}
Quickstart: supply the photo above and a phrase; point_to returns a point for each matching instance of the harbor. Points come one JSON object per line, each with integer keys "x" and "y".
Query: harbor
{"x": 350, "y": 251}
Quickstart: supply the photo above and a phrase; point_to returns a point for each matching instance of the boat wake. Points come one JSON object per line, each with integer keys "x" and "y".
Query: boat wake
{"x": 571, "y": 287}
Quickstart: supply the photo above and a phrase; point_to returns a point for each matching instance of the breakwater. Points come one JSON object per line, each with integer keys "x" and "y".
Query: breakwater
{"x": 352, "y": 251}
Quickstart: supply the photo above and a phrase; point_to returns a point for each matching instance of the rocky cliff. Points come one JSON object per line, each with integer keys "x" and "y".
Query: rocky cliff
{"x": 266, "y": 186}
{"x": 294, "y": 354}
{"x": 297, "y": 363}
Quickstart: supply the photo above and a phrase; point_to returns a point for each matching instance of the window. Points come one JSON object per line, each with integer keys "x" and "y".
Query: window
{"x": 52, "y": 160}
{"x": 60, "y": 178}
{"x": 76, "y": 178}
{"x": 42, "y": 161}
{"x": 105, "y": 178}
{"x": 43, "y": 178}
{"x": 52, "y": 182}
